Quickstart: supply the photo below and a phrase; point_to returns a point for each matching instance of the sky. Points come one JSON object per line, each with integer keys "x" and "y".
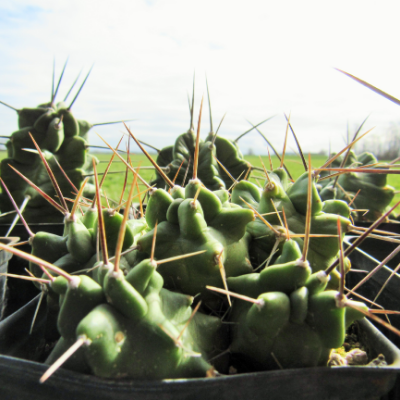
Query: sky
{"x": 261, "y": 59}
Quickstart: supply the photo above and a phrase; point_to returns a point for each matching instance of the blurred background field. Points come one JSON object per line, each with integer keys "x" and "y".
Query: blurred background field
{"x": 115, "y": 179}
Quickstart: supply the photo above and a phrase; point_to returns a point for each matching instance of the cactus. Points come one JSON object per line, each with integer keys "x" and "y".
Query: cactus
{"x": 279, "y": 195}
{"x": 198, "y": 221}
{"x": 132, "y": 298}
{"x": 292, "y": 321}
{"x": 134, "y": 315}
{"x": 367, "y": 192}
{"x": 219, "y": 159}
{"x": 63, "y": 140}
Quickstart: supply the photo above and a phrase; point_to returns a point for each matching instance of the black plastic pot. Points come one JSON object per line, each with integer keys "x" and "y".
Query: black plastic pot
{"x": 20, "y": 292}
{"x": 19, "y": 379}
{"x": 4, "y": 260}
{"x": 365, "y": 258}
{"x": 384, "y": 226}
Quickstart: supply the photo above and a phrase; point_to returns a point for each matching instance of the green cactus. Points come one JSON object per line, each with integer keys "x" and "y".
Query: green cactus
{"x": 292, "y": 322}
{"x": 277, "y": 195}
{"x": 136, "y": 329}
{"x": 375, "y": 195}
{"x": 186, "y": 225}
{"x": 63, "y": 139}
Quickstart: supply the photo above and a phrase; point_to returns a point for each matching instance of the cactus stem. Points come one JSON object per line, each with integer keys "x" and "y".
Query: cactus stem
{"x": 159, "y": 170}
{"x": 373, "y": 311}
{"x": 248, "y": 172}
{"x": 383, "y": 238}
{"x": 189, "y": 104}
{"x": 359, "y": 228}
{"x": 363, "y": 170}
{"x": 262, "y": 218}
{"x": 66, "y": 176}
{"x": 26, "y": 278}
{"x": 42, "y": 294}
{"x": 79, "y": 91}
{"x": 297, "y": 144}
{"x": 189, "y": 320}
{"x": 166, "y": 260}
{"x": 350, "y": 292}
{"x": 276, "y": 360}
{"x": 51, "y": 175}
{"x": 270, "y": 159}
{"x": 226, "y": 171}
{"x": 112, "y": 122}
{"x": 53, "y": 78}
{"x": 265, "y": 169}
{"x": 140, "y": 200}
{"x": 54, "y": 95}
{"x": 369, "y": 86}
{"x": 19, "y": 211}
{"x": 76, "y": 202}
{"x": 346, "y": 194}
{"x": 121, "y": 233}
{"x": 50, "y": 276}
{"x": 361, "y": 238}
{"x": 186, "y": 172}
{"x": 120, "y": 157}
{"x": 286, "y": 224}
{"x": 73, "y": 85}
{"x": 377, "y": 268}
{"x": 223, "y": 276}
{"x": 35, "y": 260}
{"x": 237, "y": 181}
{"x": 237, "y": 295}
{"x": 345, "y": 158}
{"x": 193, "y": 203}
{"x": 209, "y": 109}
{"x": 106, "y": 171}
{"x": 89, "y": 146}
{"x": 12, "y": 108}
{"x": 372, "y": 316}
{"x": 216, "y": 133}
{"x": 285, "y": 142}
{"x": 197, "y": 147}
{"x": 101, "y": 232}
{"x": 153, "y": 244}
{"x": 136, "y": 195}
{"x": 314, "y": 235}
{"x": 58, "y": 126}
{"x": 253, "y": 127}
{"x": 308, "y": 214}
{"x": 333, "y": 158}
{"x": 265, "y": 263}
{"x": 108, "y": 203}
{"x": 274, "y": 150}
{"x": 342, "y": 274}
{"x": 20, "y": 243}
{"x": 82, "y": 340}
{"x": 277, "y": 212}
{"x": 386, "y": 282}
{"x": 176, "y": 175}
{"x": 192, "y": 104}
{"x": 40, "y": 191}
{"x": 177, "y": 343}
{"x": 330, "y": 176}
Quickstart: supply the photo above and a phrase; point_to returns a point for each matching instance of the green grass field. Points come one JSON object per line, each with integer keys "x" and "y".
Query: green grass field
{"x": 115, "y": 179}
{"x": 114, "y": 182}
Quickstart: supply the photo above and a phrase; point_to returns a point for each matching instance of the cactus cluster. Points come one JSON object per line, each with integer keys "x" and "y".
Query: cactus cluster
{"x": 206, "y": 272}
{"x": 370, "y": 191}
{"x": 281, "y": 197}
{"x": 63, "y": 139}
